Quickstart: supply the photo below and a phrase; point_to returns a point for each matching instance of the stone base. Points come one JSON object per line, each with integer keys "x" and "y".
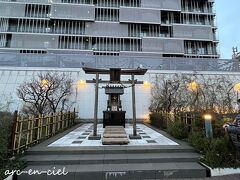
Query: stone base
{"x": 92, "y": 137}
{"x": 131, "y": 136}
{"x": 114, "y": 135}
{"x": 111, "y": 135}
{"x": 115, "y": 141}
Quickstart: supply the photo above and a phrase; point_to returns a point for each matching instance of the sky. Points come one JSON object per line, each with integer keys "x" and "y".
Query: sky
{"x": 228, "y": 22}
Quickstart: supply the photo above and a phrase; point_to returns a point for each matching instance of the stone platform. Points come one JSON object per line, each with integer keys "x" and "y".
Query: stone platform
{"x": 90, "y": 160}
{"x": 79, "y": 137}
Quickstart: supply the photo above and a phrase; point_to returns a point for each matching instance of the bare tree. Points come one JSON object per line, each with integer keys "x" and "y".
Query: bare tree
{"x": 164, "y": 94}
{"x": 170, "y": 94}
{"x": 48, "y": 92}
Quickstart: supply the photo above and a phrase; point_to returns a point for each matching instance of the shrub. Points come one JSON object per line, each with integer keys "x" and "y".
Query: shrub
{"x": 198, "y": 140}
{"x": 178, "y": 130}
{"x": 218, "y": 130}
{"x": 15, "y": 164}
{"x": 158, "y": 120}
{"x": 5, "y": 137}
{"x": 217, "y": 152}
{"x": 5, "y": 133}
{"x": 220, "y": 153}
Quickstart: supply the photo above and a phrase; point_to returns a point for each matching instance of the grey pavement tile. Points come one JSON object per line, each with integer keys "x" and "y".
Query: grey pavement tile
{"x": 88, "y": 131}
{"x": 118, "y": 175}
{"x": 68, "y": 157}
{"x": 68, "y": 176}
{"x": 82, "y": 168}
{"x": 146, "y": 137}
{"x": 151, "y": 141}
{"x": 85, "y": 133}
{"x": 76, "y": 142}
{"x": 89, "y": 176}
{"x": 82, "y": 137}
{"x": 143, "y": 174}
{"x": 28, "y": 177}
{"x": 42, "y": 176}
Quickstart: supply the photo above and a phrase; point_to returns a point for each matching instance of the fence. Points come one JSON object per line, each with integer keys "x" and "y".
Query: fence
{"x": 162, "y": 119}
{"x": 31, "y": 130}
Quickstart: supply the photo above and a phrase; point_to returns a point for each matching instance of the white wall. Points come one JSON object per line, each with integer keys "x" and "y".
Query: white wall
{"x": 83, "y": 96}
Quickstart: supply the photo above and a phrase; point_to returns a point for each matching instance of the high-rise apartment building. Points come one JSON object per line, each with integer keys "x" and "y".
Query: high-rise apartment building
{"x": 158, "y": 28}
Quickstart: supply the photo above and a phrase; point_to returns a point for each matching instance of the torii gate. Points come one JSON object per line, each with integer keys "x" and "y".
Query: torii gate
{"x": 131, "y": 81}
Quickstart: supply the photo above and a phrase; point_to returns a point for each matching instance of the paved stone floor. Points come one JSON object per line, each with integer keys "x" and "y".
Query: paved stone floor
{"x": 79, "y": 137}
{"x": 226, "y": 177}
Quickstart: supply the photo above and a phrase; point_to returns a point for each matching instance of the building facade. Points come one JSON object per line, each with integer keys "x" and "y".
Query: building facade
{"x": 164, "y": 36}
{"x": 156, "y": 28}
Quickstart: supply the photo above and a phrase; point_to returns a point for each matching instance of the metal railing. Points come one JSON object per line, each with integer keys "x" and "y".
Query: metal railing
{"x": 128, "y": 62}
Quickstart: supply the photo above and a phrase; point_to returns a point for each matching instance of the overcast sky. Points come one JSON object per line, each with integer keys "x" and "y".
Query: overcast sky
{"x": 228, "y": 22}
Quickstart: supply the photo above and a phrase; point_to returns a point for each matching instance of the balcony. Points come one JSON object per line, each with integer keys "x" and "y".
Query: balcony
{"x": 139, "y": 15}
{"x": 73, "y": 12}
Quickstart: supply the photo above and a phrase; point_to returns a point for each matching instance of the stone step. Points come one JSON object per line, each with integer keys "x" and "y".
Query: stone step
{"x": 115, "y": 141}
{"x": 121, "y": 171}
{"x": 114, "y": 132}
{"x": 109, "y": 150}
{"x": 110, "y": 158}
{"x": 107, "y": 135}
{"x": 113, "y": 127}
{"x": 114, "y": 136}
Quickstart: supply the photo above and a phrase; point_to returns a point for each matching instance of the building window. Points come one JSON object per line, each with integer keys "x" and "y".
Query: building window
{"x": 37, "y": 11}
{"x": 103, "y": 14}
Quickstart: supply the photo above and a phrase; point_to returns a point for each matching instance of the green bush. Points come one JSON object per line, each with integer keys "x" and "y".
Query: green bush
{"x": 216, "y": 152}
{"x": 198, "y": 125}
{"x": 220, "y": 153}
{"x": 178, "y": 130}
{"x": 15, "y": 164}
{"x": 5, "y": 133}
{"x": 218, "y": 130}
{"x": 199, "y": 141}
{"x": 5, "y": 138}
{"x": 158, "y": 120}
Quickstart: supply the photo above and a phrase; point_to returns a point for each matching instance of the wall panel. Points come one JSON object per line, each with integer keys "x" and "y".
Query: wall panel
{"x": 34, "y": 41}
{"x": 106, "y": 29}
{"x": 162, "y": 4}
{"x": 73, "y": 11}
{"x": 140, "y": 15}
{"x": 162, "y": 45}
{"x": 12, "y": 10}
{"x": 192, "y": 32}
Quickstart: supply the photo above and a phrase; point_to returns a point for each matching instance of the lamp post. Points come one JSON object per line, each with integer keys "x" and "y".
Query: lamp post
{"x": 208, "y": 125}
